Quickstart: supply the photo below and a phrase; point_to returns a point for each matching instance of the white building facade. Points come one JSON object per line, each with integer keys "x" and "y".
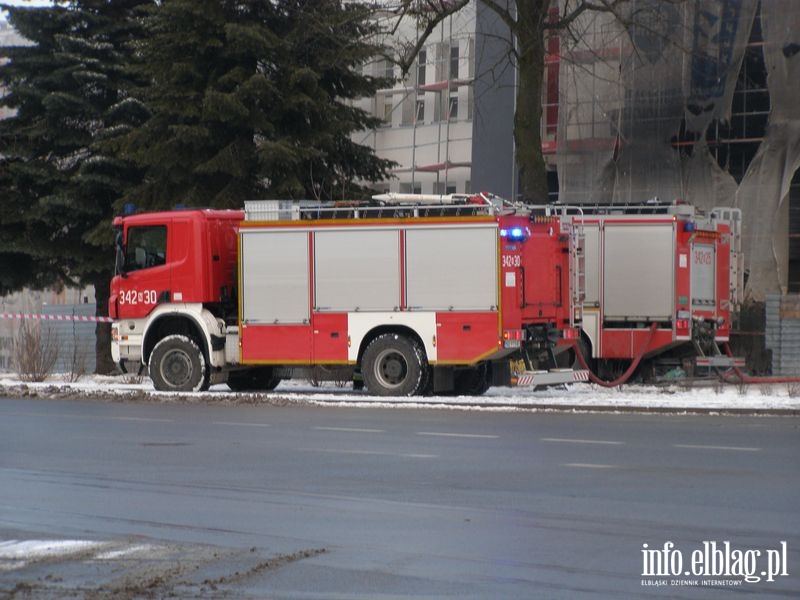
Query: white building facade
{"x": 448, "y": 123}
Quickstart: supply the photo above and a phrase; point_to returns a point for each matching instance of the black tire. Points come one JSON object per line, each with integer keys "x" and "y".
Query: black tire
{"x": 473, "y": 381}
{"x": 255, "y": 379}
{"x": 426, "y": 383}
{"x": 393, "y": 365}
{"x": 177, "y": 364}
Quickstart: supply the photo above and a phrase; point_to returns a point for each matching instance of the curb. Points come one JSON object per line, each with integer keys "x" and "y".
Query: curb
{"x": 56, "y": 392}
{"x": 577, "y": 408}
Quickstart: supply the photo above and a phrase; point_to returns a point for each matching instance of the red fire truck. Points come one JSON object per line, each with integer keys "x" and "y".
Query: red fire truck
{"x": 414, "y": 295}
{"x": 662, "y": 282}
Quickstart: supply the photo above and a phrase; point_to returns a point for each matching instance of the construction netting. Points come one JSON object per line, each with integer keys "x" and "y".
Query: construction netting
{"x": 696, "y": 100}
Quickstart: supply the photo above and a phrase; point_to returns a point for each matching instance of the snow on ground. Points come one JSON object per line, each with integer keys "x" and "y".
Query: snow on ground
{"x": 16, "y": 554}
{"x": 704, "y": 396}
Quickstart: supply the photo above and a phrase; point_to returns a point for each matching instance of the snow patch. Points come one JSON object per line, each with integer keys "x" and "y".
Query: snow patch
{"x": 131, "y": 552}
{"x": 16, "y": 554}
{"x": 580, "y": 396}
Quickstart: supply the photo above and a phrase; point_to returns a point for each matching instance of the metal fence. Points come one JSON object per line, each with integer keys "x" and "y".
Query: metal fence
{"x": 76, "y": 339}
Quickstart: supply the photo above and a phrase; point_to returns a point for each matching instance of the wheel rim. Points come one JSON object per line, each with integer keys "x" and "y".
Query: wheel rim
{"x": 176, "y": 368}
{"x": 391, "y": 368}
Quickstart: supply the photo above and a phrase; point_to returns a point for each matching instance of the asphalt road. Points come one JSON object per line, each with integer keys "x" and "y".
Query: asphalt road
{"x": 318, "y": 502}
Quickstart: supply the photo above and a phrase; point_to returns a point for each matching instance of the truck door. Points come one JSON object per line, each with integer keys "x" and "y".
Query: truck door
{"x": 147, "y": 271}
{"x": 703, "y": 278}
{"x": 275, "y": 297}
{"x": 356, "y": 270}
{"x": 544, "y": 271}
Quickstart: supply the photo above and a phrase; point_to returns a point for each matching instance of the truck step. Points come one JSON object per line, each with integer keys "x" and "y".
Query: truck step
{"x": 551, "y": 377}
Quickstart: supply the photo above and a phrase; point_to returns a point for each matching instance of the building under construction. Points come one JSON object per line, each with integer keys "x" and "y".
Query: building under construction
{"x": 691, "y": 100}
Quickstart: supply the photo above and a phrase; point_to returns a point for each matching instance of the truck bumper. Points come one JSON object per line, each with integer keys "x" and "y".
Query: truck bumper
{"x": 127, "y": 348}
{"x": 720, "y": 362}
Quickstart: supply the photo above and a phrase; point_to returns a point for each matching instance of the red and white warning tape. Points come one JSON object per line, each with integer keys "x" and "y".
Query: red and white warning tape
{"x": 55, "y": 317}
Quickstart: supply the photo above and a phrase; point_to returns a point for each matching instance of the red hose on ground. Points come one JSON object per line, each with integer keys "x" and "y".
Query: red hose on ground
{"x": 744, "y": 378}
{"x": 627, "y": 374}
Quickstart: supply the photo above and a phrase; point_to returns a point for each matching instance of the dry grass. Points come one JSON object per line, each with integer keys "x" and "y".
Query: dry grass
{"x": 35, "y": 352}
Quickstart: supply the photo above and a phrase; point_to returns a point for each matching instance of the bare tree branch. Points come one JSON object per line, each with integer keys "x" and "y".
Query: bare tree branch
{"x": 429, "y": 13}
{"x": 570, "y": 15}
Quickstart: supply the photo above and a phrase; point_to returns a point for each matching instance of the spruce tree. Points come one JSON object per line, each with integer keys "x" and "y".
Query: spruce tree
{"x": 250, "y": 99}
{"x": 59, "y": 183}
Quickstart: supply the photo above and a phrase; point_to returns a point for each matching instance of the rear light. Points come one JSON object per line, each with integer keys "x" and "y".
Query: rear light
{"x": 682, "y": 324}
{"x": 512, "y": 338}
{"x": 571, "y": 333}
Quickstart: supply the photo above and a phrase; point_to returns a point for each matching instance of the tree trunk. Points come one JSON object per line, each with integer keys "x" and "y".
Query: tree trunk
{"x": 527, "y": 119}
{"x": 102, "y": 348}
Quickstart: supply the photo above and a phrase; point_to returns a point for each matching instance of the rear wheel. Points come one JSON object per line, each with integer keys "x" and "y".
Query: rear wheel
{"x": 393, "y": 365}
{"x": 177, "y": 364}
{"x": 473, "y": 381}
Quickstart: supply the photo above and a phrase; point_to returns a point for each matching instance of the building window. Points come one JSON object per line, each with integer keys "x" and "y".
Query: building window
{"x": 794, "y": 234}
{"x": 408, "y": 188}
{"x": 452, "y": 112}
{"x": 388, "y": 69}
{"x": 385, "y": 108}
{"x": 422, "y": 60}
{"x": 734, "y": 142}
{"x": 454, "y": 62}
{"x": 420, "y": 113}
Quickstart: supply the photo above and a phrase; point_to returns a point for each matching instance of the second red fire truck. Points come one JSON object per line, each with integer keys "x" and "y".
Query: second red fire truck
{"x": 413, "y": 295}
{"x": 663, "y": 283}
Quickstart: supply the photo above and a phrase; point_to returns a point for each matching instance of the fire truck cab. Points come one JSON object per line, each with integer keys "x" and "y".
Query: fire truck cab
{"x": 424, "y": 294}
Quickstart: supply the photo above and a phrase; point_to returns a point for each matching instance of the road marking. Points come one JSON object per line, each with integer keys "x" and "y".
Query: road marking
{"x": 241, "y": 424}
{"x": 458, "y": 435}
{"x": 86, "y": 417}
{"x": 350, "y": 429}
{"x": 141, "y": 419}
{"x": 589, "y": 466}
{"x": 576, "y": 441}
{"x": 701, "y": 447}
{"x": 369, "y": 453}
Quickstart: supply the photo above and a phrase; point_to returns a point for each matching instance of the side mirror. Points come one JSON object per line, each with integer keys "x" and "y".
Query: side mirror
{"x": 119, "y": 264}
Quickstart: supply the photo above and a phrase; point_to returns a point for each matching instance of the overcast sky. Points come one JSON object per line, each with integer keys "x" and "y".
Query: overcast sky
{"x": 23, "y": 3}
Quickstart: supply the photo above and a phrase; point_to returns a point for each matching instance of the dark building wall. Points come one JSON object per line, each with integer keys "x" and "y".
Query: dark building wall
{"x": 493, "y": 116}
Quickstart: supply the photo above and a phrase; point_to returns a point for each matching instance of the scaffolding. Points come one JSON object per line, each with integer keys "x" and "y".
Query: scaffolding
{"x": 694, "y": 101}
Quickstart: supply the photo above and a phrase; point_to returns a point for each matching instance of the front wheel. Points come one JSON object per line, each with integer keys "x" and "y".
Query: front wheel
{"x": 393, "y": 365}
{"x": 177, "y": 364}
